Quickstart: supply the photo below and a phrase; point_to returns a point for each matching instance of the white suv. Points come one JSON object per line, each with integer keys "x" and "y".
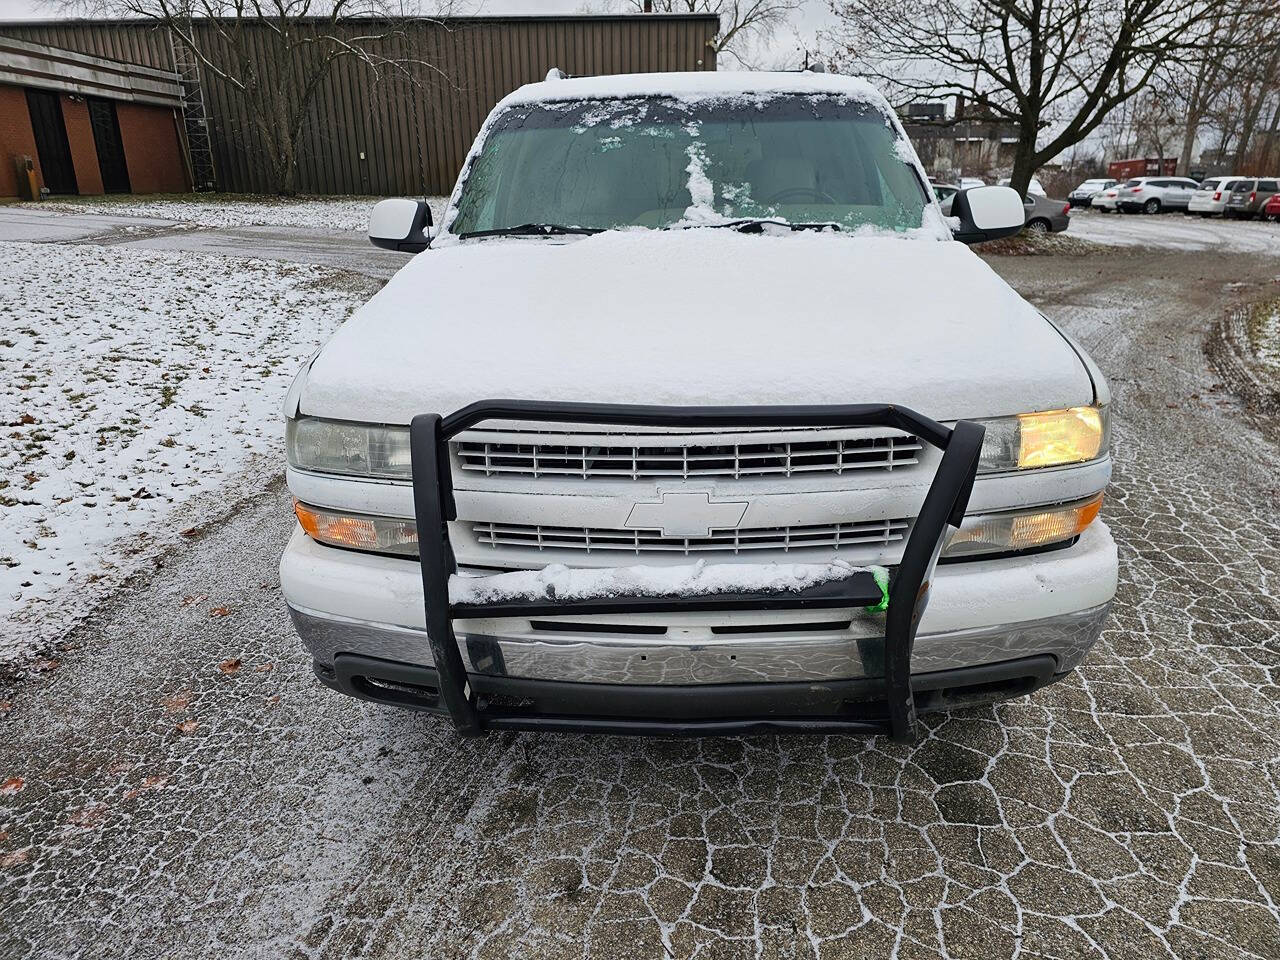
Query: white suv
{"x": 1155, "y": 194}
{"x": 1083, "y": 194}
{"x": 1033, "y": 187}
{"x": 1106, "y": 200}
{"x": 755, "y": 476}
{"x": 1211, "y": 196}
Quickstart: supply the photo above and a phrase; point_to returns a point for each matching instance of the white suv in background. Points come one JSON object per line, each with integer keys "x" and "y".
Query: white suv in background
{"x": 709, "y": 506}
{"x": 1212, "y": 196}
{"x": 1155, "y": 194}
{"x": 1083, "y": 194}
{"x": 1106, "y": 200}
{"x": 1033, "y": 187}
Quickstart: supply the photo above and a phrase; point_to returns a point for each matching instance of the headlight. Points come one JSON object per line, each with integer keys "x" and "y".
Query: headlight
{"x": 357, "y": 532}
{"x": 1022, "y": 529}
{"x": 353, "y": 449}
{"x": 1047, "y": 439}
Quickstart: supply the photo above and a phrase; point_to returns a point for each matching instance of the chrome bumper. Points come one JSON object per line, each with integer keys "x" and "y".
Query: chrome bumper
{"x": 690, "y": 657}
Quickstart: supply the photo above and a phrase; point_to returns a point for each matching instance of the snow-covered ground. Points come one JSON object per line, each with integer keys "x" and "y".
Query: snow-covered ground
{"x": 342, "y": 214}
{"x": 328, "y": 213}
{"x": 1176, "y": 231}
{"x": 133, "y": 384}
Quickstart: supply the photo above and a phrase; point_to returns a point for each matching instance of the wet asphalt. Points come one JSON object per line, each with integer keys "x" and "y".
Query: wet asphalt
{"x": 175, "y": 783}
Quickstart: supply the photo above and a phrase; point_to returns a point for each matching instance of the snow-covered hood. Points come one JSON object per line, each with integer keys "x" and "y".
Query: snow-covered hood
{"x": 696, "y": 317}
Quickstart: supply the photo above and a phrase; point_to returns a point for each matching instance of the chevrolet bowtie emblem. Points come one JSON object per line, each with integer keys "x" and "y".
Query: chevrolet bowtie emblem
{"x": 686, "y": 515}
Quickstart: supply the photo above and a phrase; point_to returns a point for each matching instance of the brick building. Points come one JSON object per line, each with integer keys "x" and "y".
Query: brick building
{"x": 73, "y": 123}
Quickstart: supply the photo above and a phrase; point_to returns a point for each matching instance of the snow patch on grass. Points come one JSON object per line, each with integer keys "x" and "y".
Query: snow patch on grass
{"x": 131, "y": 384}
{"x": 228, "y": 211}
{"x": 1264, "y": 332}
{"x": 1029, "y": 244}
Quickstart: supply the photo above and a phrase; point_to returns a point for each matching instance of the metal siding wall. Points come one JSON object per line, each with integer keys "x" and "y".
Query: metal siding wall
{"x": 131, "y": 42}
{"x": 414, "y": 126}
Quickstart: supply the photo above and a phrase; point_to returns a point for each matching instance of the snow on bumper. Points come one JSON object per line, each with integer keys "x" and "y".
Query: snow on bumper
{"x": 979, "y": 613}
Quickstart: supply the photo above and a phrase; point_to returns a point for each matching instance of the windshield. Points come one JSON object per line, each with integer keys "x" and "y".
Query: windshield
{"x": 660, "y": 162}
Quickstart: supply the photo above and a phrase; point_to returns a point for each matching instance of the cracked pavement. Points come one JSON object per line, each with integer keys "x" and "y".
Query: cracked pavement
{"x": 177, "y": 784}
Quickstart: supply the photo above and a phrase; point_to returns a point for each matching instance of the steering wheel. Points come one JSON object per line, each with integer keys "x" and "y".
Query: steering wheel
{"x": 790, "y": 193}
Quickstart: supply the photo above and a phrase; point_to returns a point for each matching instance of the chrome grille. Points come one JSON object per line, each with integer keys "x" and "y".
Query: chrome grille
{"x": 667, "y": 457}
{"x": 828, "y": 536}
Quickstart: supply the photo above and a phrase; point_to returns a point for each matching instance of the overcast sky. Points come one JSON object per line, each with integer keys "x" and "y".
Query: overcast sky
{"x": 813, "y": 15}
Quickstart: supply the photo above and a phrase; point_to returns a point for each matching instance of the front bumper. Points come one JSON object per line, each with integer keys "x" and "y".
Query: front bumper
{"x": 981, "y": 613}
{"x": 459, "y": 608}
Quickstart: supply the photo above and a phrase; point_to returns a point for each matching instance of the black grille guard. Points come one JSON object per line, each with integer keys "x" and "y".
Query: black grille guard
{"x": 944, "y": 506}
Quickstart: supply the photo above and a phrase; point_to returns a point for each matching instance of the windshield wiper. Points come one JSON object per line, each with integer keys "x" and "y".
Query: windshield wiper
{"x": 531, "y": 230}
{"x": 757, "y": 225}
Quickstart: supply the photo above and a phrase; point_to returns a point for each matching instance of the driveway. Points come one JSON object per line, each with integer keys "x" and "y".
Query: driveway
{"x": 174, "y": 783}
{"x": 342, "y": 250}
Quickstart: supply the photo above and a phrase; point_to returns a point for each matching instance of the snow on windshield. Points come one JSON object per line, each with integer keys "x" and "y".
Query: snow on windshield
{"x": 661, "y": 162}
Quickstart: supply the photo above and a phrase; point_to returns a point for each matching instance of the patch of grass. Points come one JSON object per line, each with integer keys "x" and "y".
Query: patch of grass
{"x": 1026, "y": 244}
{"x": 1262, "y": 325}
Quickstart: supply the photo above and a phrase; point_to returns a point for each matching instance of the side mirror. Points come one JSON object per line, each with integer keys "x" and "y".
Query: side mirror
{"x": 987, "y": 213}
{"x": 400, "y": 225}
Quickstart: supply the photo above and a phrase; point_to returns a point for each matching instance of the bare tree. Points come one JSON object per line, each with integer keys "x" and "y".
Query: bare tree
{"x": 1202, "y": 78}
{"x": 275, "y": 54}
{"x": 1156, "y": 121}
{"x": 1257, "y": 80}
{"x": 1056, "y": 68}
{"x": 742, "y": 22}
{"x": 1227, "y": 82}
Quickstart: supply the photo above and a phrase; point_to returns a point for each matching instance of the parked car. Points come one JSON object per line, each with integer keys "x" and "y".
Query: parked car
{"x": 1044, "y": 215}
{"x": 1106, "y": 201}
{"x": 944, "y": 192}
{"x": 1040, "y": 214}
{"x": 1211, "y": 196}
{"x": 1033, "y": 187}
{"x": 1156, "y": 194}
{"x": 1271, "y": 209}
{"x": 967, "y": 183}
{"x": 711, "y": 481}
{"x": 1083, "y": 194}
{"x": 1249, "y": 196}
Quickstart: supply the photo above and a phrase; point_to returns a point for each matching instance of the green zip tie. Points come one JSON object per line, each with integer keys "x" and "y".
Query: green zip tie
{"x": 881, "y": 576}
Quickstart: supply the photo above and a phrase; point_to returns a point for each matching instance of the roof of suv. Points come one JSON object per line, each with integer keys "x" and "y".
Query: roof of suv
{"x": 706, "y": 83}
